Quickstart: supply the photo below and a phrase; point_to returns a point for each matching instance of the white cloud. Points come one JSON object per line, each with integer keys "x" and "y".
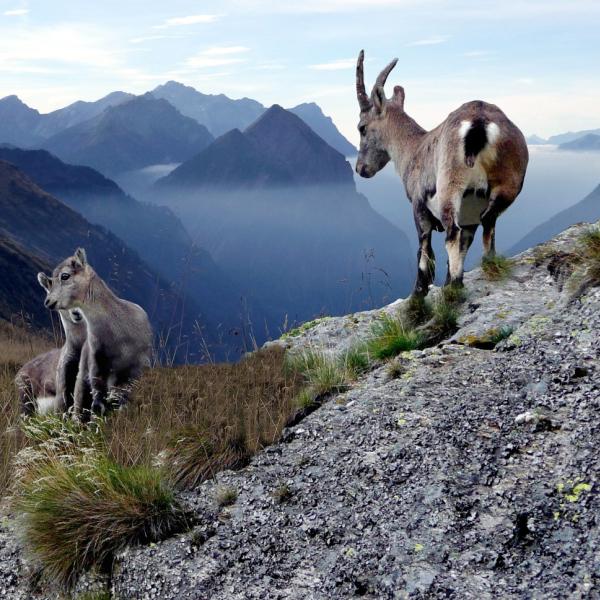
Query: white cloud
{"x": 270, "y": 66}
{"x": 430, "y": 41}
{"x": 65, "y": 44}
{"x": 148, "y": 38}
{"x": 16, "y": 12}
{"x": 217, "y": 56}
{"x": 221, "y": 50}
{"x": 335, "y": 65}
{"x": 325, "y": 6}
{"x": 477, "y": 53}
{"x": 188, "y": 20}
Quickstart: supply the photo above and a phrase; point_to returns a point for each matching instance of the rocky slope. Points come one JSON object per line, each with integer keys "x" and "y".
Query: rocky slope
{"x": 471, "y": 474}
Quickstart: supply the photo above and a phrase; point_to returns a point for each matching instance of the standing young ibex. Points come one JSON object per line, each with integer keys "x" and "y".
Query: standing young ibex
{"x": 463, "y": 173}
{"x": 47, "y": 382}
{"x": 119, "y": 335}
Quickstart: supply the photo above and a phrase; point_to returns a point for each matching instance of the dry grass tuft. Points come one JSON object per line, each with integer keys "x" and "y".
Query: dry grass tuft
{"x": 226, "y": 496}
{"x": 17, "y": 346}
{"x": 77, "y": 507}
{"x": 496, "y": 268}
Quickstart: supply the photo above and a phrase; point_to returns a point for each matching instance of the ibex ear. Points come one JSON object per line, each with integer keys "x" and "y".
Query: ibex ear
{"x": 398, "y": 97}
{"x": 81, "y": 257}
{"x": 44, "y": 281}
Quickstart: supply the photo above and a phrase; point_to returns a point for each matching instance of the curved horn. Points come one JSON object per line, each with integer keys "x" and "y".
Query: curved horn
{"x": 381, "y": 79}
{"x": 361, "y": 93}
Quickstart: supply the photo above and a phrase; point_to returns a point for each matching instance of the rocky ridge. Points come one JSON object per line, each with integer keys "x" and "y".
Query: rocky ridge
{"x": 472, "y": 473}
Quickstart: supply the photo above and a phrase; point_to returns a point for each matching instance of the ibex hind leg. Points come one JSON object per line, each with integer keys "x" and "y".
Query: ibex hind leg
{"x": 500, "y": 200}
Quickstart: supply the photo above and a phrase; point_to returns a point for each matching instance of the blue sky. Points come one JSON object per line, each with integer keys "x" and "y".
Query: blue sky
{"x": 537, "y": 59}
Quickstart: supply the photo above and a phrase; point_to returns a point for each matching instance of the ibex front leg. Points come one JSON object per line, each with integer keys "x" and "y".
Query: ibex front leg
{"x": 459, "y": 243}
{"x": 99, "y": 370}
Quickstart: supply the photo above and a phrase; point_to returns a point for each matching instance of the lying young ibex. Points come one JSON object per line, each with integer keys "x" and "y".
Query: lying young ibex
{"x": 463, "y": 173}
{"x": 47, "y": 382}
{"x": 119, "y": 336}
{"x": 36, "y": 383}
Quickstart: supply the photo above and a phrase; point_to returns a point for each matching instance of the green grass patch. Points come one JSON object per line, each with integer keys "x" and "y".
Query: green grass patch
{"x": 355, "y": 361}
{"x": 322, "y": 374}
{"x": 297, "y": 331}
{"x": 496, "y": 268}
{"x": 391, "y": 336}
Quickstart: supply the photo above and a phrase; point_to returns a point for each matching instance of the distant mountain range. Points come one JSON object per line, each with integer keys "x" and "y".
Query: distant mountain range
{"x": 217, "y": 113}
{"x": 20, "y": 297}
{"x": 277, "y": 208}
{"x": 121, "y": 132}
{"x": 131, "y": 135}
{"x": 586, "y": 210}
{"x": 220, "y": 114}
{"x": 41, "y": 230}
{"x": 154, "y": 232}
{"x": 561, "y": 138}
{"x": 24, "y": 126}
{"x": 588, "y": 142}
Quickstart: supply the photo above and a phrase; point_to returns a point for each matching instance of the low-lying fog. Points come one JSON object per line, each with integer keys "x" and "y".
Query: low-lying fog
{"x": 555, "y": 180}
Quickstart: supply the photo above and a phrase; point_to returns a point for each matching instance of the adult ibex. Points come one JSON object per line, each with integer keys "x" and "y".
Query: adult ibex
{"x": 463, "y": 173}
{"x": 119, "y": 336}
{"x": 47, "y": 382}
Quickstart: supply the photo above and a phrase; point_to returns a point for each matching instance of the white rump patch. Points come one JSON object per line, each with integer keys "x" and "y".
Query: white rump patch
{"x": 46, "y": 405}
{"x": 493, "y": 132}
{"x": 464, "y": 129}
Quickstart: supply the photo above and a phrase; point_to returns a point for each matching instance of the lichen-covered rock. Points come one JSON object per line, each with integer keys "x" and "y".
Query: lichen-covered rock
{"x": 473, "y": 474}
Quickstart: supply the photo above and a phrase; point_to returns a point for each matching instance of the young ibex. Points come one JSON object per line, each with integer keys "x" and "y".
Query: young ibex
{"x": 36, "y": 383}
{"x": 463, "y": 173}
{"x": 119, "y": 336}
{"x": 47, "y": 383}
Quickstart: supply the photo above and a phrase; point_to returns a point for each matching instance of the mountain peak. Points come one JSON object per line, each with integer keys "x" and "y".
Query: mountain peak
{"x": 288, "y": 139}
{"x": 13, "y": 99}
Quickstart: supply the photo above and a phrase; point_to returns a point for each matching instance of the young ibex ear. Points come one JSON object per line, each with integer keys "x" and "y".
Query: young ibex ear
{"x": 44, "y": 281}
{"x": 81, "y": 257}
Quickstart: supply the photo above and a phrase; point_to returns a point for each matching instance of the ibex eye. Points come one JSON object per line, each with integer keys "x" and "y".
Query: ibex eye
{"x": 65, "y": 276}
